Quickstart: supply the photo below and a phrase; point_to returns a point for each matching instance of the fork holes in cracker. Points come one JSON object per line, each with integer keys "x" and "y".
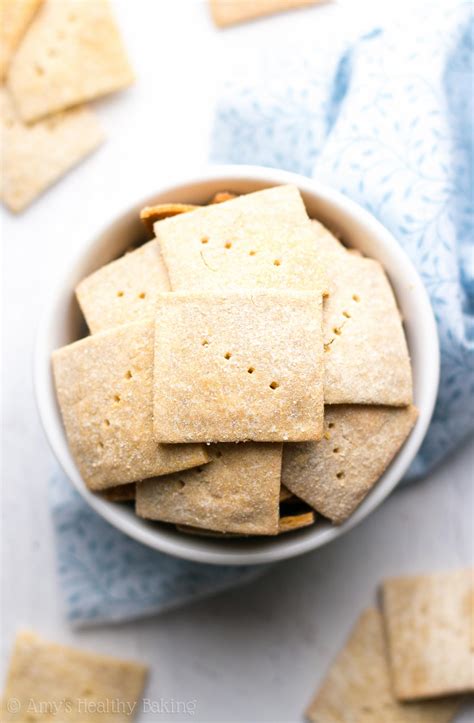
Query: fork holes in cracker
{"x": 336, "y": 450}
{"x": 277, "y": 262}
{"x": 120, "y": 293}
{"x": 251, "y": 370}
{"x": 274, "y": 385}
{"x": 331, "y": 425}
{"x": 227, "y": 355}
{"x": 204, "y": 240}
{"x": 116, "y": 397}
{"x": 128, "y": 375}
{"x": 346, "y": 314}
{"x": 142, "y": 295}
{"x": 356, "y": 297}
{"x": 228, "y": 245}
{"x": 252, "y": 253}
{"x": 340, "y": 475}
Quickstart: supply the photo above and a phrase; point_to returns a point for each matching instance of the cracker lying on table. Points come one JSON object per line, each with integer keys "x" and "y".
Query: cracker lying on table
{"x": 151, "y": 214}
{"x": 50, "y": 682}
{"x": 428, "y": 620}
{"x": 230, "y": 12}
{"x": 34, "y": 157}
{"x": 335, "y": 474}
{"x": 72, "y": 53}
{"x": 124, "y": 290}
{"x": 366, "y": 356}
{"x": 357, "y": 687}
{"x": 238, "y": 491}
{"x": 236, "y": 367}
{"x": 262, "y": 239}
{"x": 15, "y": 16}
{"x": 104, "y": 386}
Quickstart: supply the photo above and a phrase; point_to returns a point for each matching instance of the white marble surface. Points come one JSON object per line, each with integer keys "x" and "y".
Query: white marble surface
{"x": 246, "y": 656}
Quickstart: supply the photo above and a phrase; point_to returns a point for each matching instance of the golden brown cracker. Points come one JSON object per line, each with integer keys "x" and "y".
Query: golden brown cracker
{"x": 15, "y": 17}
{"x": 34, "y": 157}
{"x": 288, "y": 523}
{"x": 237, "y": 367}
{"x": 230, "y": 12}
{"x": 72, "y": 53}
{"x": 262, "y": 239}
{"x": 149, "y": 215}
{"x": 124, "y": 290}
{"x": 104, "y": 385}
{"x": 335, "y": 474}
{"x": 48, "y": 682}
{"x": 428, "y": 619}
{"x": 366, "y": 356}
{"x": 357, "y": 687}
{"x": 238, "y": 492}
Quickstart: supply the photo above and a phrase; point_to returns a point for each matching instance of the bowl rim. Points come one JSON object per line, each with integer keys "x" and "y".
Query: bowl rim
{"x": 205, "y": 550}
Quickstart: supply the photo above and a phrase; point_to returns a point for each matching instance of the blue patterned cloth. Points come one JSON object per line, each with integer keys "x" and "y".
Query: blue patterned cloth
{"x": 388, "y": 123}
{"x": 106, "y": 577}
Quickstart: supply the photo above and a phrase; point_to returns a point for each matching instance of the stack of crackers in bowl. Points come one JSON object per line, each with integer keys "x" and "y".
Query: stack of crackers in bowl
{"x": 55, "y": 56}
{"x": 245, "y": 372}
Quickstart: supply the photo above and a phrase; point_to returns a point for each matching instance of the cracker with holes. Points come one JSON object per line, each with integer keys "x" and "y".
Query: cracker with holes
{"x": 335, "y": 474}
{"x": 230, "y": 12}
{"x": 15, "y": 16}
{"x": 238, "y": 492}
{"x": 34, "y": 157}
{"x": 357, "y": 687}
{"x": 104, "y": 386}
{"x": 125, "y": 290}
{"x": 428, "y": 620}
{"x": 366, "y": 356}
{"x": 242, "y": 366}
{"x": 71, "y": 53}
{"x": 48, "y": 682}
{"x": 263, "y": 239}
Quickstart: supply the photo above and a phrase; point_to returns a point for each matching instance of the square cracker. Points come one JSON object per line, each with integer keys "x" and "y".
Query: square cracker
{"x": 262, "y": 239}
{"x": 72, "y": 53}
{"x": 427, "y": 618}
{"x": 238, "y": 491}
{"x": 366, "y": 356}
{"x": 236, "y": 367}
{"x": 34, "y": 157}
{"x": 230, "y": 12}
{"x": 357, "y": 686}
{"x": 359, "y": 442}
{"x": 125, "y": 290}
{"x": 15, "y": 16}
{"x": 104, "y": 386}
{"x": 50, "y": 682}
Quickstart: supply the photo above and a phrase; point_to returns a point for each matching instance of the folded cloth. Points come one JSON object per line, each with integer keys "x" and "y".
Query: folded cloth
{"x": 107, "y": 577}
{"x": 389, "y": 123}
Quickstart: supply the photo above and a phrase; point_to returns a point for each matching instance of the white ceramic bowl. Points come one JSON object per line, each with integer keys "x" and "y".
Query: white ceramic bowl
{"x": 62, "y": 324}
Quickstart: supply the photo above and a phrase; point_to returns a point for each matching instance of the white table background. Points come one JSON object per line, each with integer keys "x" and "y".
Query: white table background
{"x": 257, "y": 653}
